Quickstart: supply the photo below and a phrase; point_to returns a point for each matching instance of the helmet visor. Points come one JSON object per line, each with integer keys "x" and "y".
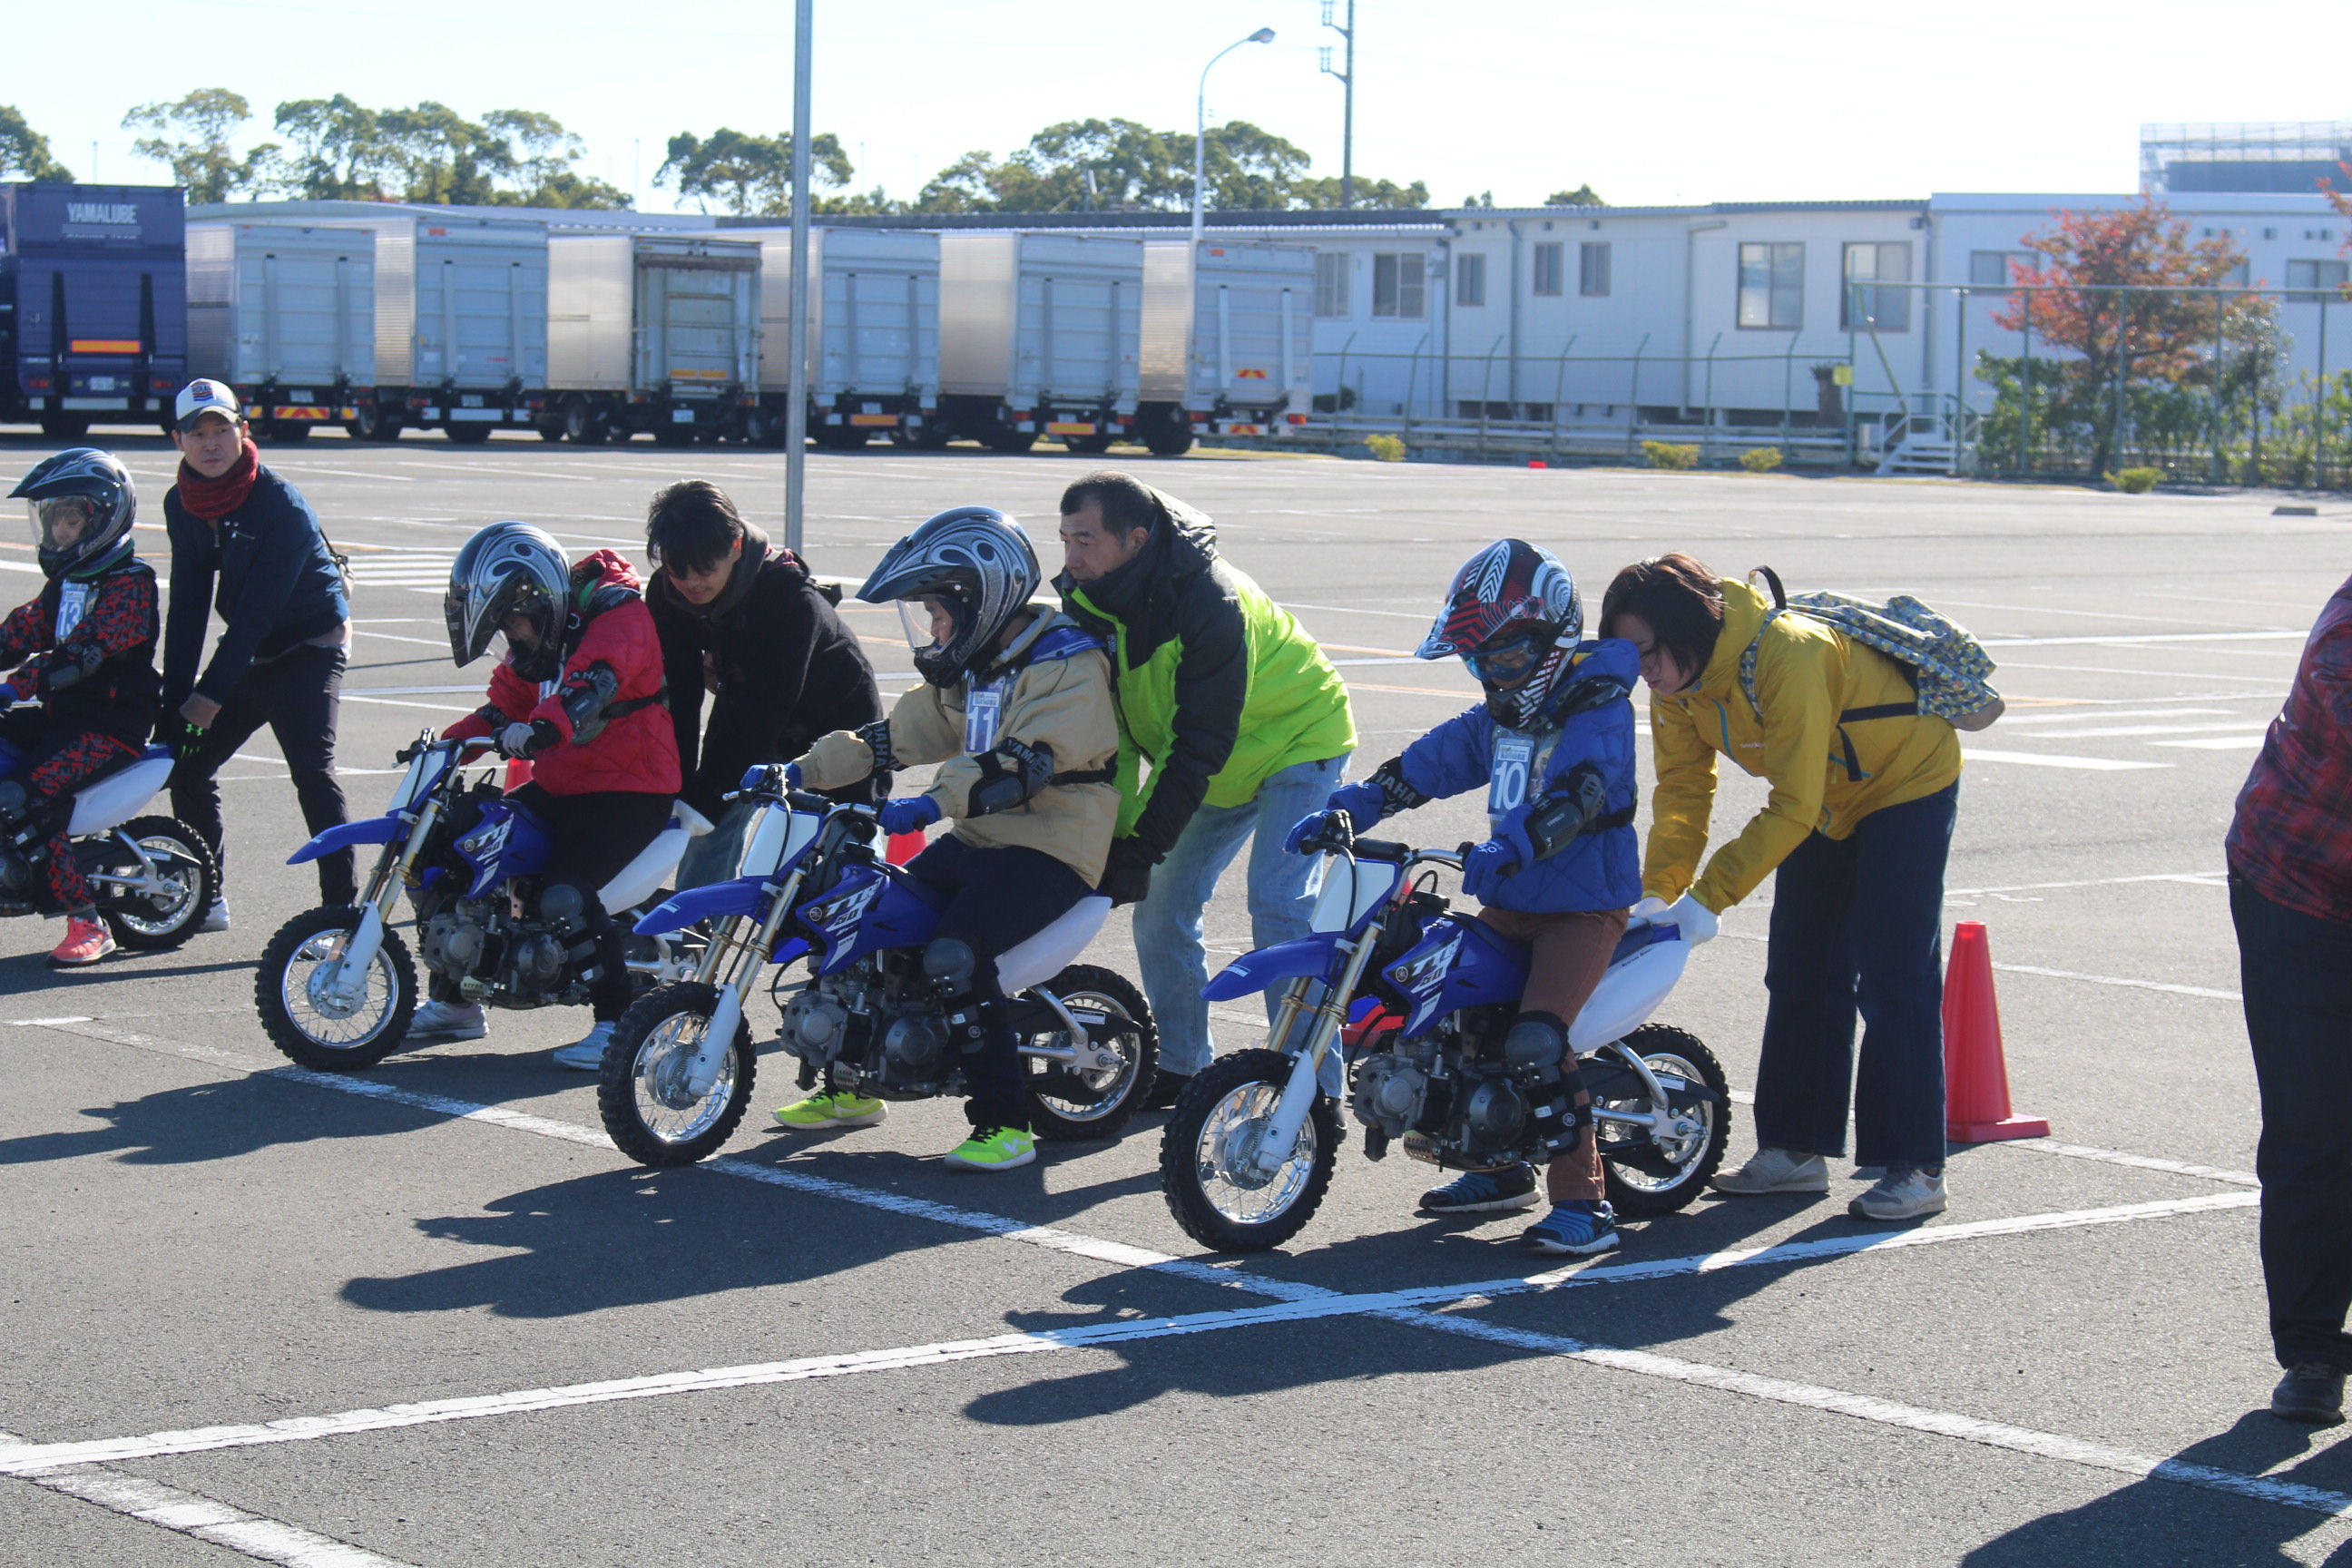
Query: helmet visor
{"x": 62, "y": 523}
{"x": 930, "y": 624}
{"x": 1508, "y": 660}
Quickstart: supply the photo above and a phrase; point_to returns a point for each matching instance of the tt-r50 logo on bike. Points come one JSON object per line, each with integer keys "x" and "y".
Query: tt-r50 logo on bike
{"x": 1422, "y": 978}
{"x": 840, "y": 916}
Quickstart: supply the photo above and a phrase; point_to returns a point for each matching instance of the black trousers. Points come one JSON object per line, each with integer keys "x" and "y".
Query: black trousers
{"x": 997, "y": 900}
{"x": 299, "y": 697}
{"x": 597, "y": 834}
{"x": 2296, "y": 971}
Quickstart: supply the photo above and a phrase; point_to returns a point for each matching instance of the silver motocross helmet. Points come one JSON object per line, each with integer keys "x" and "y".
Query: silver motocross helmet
{"x": 510, "y": 569}
{"x": 83, "y": 504}
{"x": 957, "y": 580}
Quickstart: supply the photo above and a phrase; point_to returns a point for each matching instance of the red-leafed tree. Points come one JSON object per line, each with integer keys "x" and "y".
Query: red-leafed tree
{"x": 2096, "y": 274}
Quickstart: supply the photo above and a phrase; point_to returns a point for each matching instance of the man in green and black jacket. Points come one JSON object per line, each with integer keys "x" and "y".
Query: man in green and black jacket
{"x": 1231, "y": 725}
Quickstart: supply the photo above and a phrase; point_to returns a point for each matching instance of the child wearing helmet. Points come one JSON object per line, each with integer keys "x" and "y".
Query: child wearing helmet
{"x": 1553, "y": 744}
{"x": 1015, "y": 706}
{"x": 579, "y": 695}
{"x": 84, "y": 650}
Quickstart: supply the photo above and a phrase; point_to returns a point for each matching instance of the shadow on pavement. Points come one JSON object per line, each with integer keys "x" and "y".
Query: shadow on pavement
{"x": 217, "y": 1120}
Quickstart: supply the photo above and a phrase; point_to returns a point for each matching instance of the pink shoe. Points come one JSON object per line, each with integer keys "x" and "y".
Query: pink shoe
{"x": 86, "y": 942}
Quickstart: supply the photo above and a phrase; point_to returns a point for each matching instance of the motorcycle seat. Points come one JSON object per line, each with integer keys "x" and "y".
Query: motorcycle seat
{"x": 1051, "y": 951}
{"x": 116, "y": 797}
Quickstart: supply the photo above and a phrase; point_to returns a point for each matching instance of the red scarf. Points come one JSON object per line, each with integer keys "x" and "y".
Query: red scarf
{"x": 214, "y": 500}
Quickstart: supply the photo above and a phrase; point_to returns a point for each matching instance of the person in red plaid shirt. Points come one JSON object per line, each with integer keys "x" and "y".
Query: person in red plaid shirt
{"x": 2290, "y": 851}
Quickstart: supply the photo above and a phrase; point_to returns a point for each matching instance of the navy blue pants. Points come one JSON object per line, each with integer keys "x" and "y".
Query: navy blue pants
{"x": 997, "y": 900}
{"x": 2296, "y": 971}
{"x": 1857, "y": 928}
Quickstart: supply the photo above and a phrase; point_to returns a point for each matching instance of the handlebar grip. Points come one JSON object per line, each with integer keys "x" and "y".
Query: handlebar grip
{"x": 1383, "y": 849}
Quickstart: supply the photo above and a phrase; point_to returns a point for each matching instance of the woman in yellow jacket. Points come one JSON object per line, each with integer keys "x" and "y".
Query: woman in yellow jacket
{"x": 1858, "y": 826}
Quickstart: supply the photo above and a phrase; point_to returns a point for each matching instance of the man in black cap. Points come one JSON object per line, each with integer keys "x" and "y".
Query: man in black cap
{"x": 245, "y": 541}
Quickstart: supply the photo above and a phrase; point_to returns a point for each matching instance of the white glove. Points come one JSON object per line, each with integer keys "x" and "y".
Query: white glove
{"x": 1698, "y": 922}
{"x": 514, "y": 740}
{"x": 1649, "y": 908}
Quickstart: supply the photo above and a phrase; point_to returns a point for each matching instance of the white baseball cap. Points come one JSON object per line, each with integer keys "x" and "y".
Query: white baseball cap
{"x": 200, "y": 397}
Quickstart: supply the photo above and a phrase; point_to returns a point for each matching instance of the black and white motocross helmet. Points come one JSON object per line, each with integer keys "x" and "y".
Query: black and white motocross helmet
{"x": 957, "y": 579}
{"x": 510, "y": 569}
{"x": 83, "y": 504}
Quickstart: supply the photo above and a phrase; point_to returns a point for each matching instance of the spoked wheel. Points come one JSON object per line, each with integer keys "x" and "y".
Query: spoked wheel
{"x": 1212, "y": 1188}
{"x": 1092, "y": 1098}
{"x": 1661, "y": 1173}
{"x": 650, "y": 1113}
{"x": 166, "y": 906}
{"x": 309, "y": 1021}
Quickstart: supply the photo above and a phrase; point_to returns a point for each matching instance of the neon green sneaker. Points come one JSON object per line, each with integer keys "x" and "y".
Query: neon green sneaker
{"x": 831, "y": 1110}
{"x": 994, "y": 1149}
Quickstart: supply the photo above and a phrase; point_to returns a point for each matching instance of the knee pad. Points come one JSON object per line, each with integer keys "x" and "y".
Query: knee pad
{"x": 950, "y": 962}
{"x": 1536, "y": 1042}
{"x": 11, "y": 799}
{"x": 564, "y": 906}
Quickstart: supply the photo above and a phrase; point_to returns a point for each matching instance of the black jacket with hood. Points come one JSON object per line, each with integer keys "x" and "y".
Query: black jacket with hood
{"x": 778, "y": 667}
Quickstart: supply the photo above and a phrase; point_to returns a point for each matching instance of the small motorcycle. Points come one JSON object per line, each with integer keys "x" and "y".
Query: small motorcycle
{"x": 153, "y": 877}
{"x": 337, "y": 987}
{"x": 677, "y": 1074}
{"x": 1247, "y": 1153}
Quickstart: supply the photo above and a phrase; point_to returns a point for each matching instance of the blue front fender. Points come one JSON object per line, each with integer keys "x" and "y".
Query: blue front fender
{"x": 1268, "y": 966}
{"x": 374, "y": 830}
{"x": 716, "y": 900}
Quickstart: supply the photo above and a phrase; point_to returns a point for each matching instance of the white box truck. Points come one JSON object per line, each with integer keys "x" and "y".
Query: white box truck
{"x": 654, "y": 333}
{"x": 285, "y": 314}
{"x": 1039, "y": 335}
{"x": 873, "y": 335}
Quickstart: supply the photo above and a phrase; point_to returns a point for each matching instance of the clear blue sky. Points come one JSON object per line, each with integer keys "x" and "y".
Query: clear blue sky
{"x": 1650, "y": 100}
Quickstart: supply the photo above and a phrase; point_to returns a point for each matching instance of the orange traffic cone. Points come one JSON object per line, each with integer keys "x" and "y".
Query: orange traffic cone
{"x": 1976, "y": 1075}
{"x": 904, "y": 847}
{"x": 518, "y": 773}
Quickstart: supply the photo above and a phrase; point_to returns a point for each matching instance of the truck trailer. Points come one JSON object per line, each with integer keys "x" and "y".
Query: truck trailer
{"x": 1228, "y": 341}
{"x": 93, "y": 325}
{"x": 1038, "y": 336}
{"x": 652, "y": 332}
{"x": 874, "y": 336}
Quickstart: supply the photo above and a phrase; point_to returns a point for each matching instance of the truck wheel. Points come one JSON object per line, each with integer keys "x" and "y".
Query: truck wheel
{"x": 64, "y": 427}
{"x": 1087, "y": 445}
{"x": 286, "y": 432}
{"x": 584, "y": 424}
{"x": 673, "y": 435}
{"x": 840, "y": 437}
{"x": 1168, "y": 440}
{"x": 1012, "y": 442}
{"x": 468, "y": 434}
{"x": 547, "y": 432}
{"x": 370, "y": 422}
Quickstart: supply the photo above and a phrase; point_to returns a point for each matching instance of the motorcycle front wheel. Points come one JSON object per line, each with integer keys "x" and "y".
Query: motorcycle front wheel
{"x": 309, "y": 1023}
{"x": 642, "y": 1094}
{"x": 1663, "y": 1173}
{"x": 1068, "y": 1102}
{"x": 1217, "y": 1119}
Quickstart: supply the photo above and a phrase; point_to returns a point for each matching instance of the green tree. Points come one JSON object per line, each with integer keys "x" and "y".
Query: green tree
{"x": 24, "y": 152}
{"x": 338, "y": 151}
{"x": 443, "y": 157}
{"x": 191, "y": 135}
{"x": 1323, "y": 190}
{"x": 540, "y": 155}
{"x": 748, "y": 174}
{"x": 1582, "y": 196}
{"x": 1113, "y": 165}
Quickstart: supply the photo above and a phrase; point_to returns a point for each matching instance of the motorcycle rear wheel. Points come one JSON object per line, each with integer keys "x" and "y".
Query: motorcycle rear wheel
{"x": 641, "y": 1094}
{"x": 312, "y": 1029}
{"x": 144, "y": 923}
{"x": 1241, "y": 1213}
{"x": 1085, "y": 988}
{"x": 1674, "y": 1171}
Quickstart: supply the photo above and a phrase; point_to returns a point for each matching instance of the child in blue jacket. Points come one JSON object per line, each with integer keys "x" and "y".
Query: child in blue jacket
{"x": 1553, "y": 743}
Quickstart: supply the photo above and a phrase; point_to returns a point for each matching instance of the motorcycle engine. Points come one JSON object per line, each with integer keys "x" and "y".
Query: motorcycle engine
{"x": 537, "y": 961}
{"x": 815, "y": 1027}
{"x": 1388, "y": 1092}
{"x": 453, "y": 941}
{"x": 1490, "y": 1116}
{"x": 912, "y": 1042}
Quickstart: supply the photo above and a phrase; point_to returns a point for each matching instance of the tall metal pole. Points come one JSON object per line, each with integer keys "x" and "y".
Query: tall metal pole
{"x": 796, "y": 331}
{"x": 1347, "y": 99}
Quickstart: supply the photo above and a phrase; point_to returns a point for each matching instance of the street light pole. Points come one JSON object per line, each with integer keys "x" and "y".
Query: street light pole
{"x": 1347, "y": 100}
{"x": 1201, "y": 125}
{"x": 796, "y": 331}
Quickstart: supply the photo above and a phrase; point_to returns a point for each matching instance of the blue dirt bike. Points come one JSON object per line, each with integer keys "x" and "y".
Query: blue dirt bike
{"x": 869, "y": 1020}
{"x": 1247, "y": 1153}
{"x": 336, "y": 987}
{"x": 151, "y": 877}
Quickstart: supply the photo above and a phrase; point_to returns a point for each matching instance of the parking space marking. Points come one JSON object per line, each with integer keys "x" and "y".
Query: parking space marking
{"x": 152, "y": 1502}
{"x": 2137, "y": 1162}
{"x": 2216, "y": 743}
{"x": 2209, "y": 992}
{"x": 2055, "y": 760}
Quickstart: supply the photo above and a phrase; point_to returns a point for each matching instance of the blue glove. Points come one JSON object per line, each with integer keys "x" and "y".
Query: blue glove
{"x": 1311, "y": 829}
{"x": 1512, "y": 834}
{"x": 909, "y": 814}
{"x": 1363, "y": 803}
{"x": 1488, "y": 867}
{"x": 756, "y": 776}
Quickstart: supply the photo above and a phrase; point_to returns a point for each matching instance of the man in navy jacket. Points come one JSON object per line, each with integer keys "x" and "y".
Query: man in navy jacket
{"x": 245, "y": 543}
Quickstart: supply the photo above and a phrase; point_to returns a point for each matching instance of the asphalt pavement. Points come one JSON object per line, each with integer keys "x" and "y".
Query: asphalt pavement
{"x": 427, "y": 1315}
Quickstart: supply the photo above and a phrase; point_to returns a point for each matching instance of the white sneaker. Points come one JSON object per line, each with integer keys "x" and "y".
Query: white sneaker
{"x": 1905, "y": 1192}
{"x": 438, "y": 1021}
{"x": 587, "y": 1053}
{"x": 216, "y": 918}
{"x": 1775, "y": 1171}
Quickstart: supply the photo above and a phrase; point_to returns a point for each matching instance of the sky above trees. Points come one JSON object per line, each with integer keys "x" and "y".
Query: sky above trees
{"x": 1649, "y": 100}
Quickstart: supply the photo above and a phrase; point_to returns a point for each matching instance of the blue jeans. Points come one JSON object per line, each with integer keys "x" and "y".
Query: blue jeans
{"x": 1857, "y": 925}
{"x": 1167, "y": 921}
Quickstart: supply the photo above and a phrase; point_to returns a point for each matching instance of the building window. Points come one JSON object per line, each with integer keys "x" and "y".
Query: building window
{"x": 2315, "y": 282}
{"x": 2241, "y": 274}
{"x": 1549, "y": 266}
{"x": 1994, "y": 269}
{"x": 1772, "y": 286}
{"x": 1332, "y": 282}
{"x": 1886, "y": 310}
{"x": 1397, "y": 281}
{"x": 1470, "y": 280}
{"x": 1592, "y": 267}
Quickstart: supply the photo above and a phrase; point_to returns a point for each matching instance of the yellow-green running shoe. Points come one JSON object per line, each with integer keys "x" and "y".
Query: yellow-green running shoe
{"x": 831, "y": 1110}
{"x": 994, "y": 1149}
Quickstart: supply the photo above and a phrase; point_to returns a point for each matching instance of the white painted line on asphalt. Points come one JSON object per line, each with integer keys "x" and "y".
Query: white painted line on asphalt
{"x": 2205, "y": 991}
{"x": 2105, "y": 732}
{"x": 2217, "y": 743}
{"x": 2149, "y": 639}
{"x": 2053, "y": 760}
{"x": 2137, "y": 1162}
{"x": 2015, "y": 720}
{"x": 267, "y": 1539}
{"x": 2198, "y": 878}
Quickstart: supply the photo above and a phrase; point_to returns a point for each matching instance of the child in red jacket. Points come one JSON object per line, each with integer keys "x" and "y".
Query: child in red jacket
{"x": 579, "y": 693}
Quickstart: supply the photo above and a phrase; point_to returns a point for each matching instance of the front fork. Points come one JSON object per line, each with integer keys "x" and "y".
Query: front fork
{"x": 736, "y": 952}
{"x": 346, "y": 979}
{"x": 1324, "y": 1018}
